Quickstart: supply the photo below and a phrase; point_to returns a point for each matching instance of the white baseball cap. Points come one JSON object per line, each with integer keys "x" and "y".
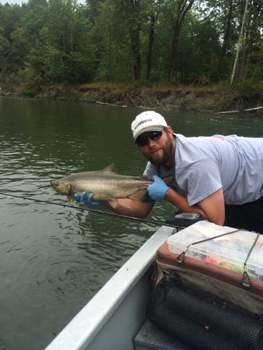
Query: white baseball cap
{"x": 147, "y": 121}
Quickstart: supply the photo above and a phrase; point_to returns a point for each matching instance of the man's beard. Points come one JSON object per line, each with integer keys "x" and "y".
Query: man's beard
{"x": 167, "y": 151}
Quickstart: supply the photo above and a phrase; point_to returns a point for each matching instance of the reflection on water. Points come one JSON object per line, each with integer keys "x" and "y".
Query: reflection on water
{"x": 53, "y": 259}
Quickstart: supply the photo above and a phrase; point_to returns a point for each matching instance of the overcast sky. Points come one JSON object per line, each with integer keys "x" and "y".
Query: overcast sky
{"x": 11, "y": 2}
{"x": 19, "y": 2}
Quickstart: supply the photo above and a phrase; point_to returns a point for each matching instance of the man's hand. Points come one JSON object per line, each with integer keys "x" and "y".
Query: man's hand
{"x": 89, "y": 201}
{"x": 157, "y": 189}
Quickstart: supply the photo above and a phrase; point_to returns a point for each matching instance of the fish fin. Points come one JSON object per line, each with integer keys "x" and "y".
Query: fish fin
{"x": 144, "y": 177}
{"x": 110, "y": 169}
{"x": 70, "y": 198}
{"x": 138, "y": 195}
{"x": 113, "y": 202}
{"x": 169, "y": 180}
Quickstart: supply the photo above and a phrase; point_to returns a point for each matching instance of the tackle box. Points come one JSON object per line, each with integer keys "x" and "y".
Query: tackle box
{"x": 220, "y": 245}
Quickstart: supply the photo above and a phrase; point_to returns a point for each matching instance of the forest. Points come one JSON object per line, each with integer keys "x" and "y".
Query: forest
{"x": 176, "y": 42}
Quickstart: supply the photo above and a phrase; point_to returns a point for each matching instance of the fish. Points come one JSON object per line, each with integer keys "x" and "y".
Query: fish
{"x": 105, "y": 184}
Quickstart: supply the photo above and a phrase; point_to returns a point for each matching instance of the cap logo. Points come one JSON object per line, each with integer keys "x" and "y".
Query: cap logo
{"x": 142, "y": 122}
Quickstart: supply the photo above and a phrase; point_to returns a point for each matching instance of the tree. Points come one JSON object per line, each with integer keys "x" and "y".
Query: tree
{"x": 198, "y": 52}
{"x": 239, "y": 42}
{"x": 120, "y": 23}
{"x": 178, "y": 10}
{"x": 180, "y": 41}
{"x": 131, "y": 18}
{"x": 152, "y": 12}
{"x": 12, "y": 50}
{"x": 62, "y": 50}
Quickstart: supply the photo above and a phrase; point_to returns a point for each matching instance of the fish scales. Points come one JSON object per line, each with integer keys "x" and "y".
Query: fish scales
{"x": 106, "y": 186}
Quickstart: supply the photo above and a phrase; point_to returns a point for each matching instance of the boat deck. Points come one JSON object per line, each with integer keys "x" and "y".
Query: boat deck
{"x": 152, "y": 338}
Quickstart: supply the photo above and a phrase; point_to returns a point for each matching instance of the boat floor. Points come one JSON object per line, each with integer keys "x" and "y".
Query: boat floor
{"x": 150, "y": 337}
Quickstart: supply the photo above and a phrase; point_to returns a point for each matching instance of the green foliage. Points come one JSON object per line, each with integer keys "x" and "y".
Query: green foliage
{"x": 30, "y": 82}
{"x": 56, "y": 41}
{"x": 199, "y": 52}
{"x": 63, "y": 49}
{"x": 12, "y": 48}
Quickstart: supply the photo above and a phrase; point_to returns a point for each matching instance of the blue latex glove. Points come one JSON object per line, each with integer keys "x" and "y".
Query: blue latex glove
{"x": 157, "y": 189}
{"x": 83, "y": 199}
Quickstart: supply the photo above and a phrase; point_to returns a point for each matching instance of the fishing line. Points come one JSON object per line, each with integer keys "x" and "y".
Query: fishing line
{"x": 95, "y": 211}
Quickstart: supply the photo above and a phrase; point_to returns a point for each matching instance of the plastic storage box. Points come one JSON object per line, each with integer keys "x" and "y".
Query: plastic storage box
{"x": 228, "y": 251}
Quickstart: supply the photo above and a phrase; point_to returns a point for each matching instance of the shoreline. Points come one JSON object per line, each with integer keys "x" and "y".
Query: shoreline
{"x": 201, "y": 99}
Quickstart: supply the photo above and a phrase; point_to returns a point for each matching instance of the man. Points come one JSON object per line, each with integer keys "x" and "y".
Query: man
{"x": 219, "y": 177}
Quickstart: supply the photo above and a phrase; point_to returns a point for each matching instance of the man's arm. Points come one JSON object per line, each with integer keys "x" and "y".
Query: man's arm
{"x": 181, "y": 203}
{"x": 130, "y": 208}
{"x": 214, "y": 207}
{"x": 126, "y": 206}
{"x": 159, "y": 191}
{"x": 211, "y": 208}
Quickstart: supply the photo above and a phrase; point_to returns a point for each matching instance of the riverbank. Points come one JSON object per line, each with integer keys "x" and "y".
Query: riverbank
{"x": 212, "y": 99}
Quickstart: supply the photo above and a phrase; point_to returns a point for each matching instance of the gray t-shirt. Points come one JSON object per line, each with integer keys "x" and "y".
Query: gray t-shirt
{"x": 203, "y": 165}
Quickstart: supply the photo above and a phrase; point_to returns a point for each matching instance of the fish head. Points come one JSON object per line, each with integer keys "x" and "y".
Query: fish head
{"x": 61, "y": 186}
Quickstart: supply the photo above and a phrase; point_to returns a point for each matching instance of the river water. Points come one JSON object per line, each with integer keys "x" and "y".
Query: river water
{"x": 53, "y": 259}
